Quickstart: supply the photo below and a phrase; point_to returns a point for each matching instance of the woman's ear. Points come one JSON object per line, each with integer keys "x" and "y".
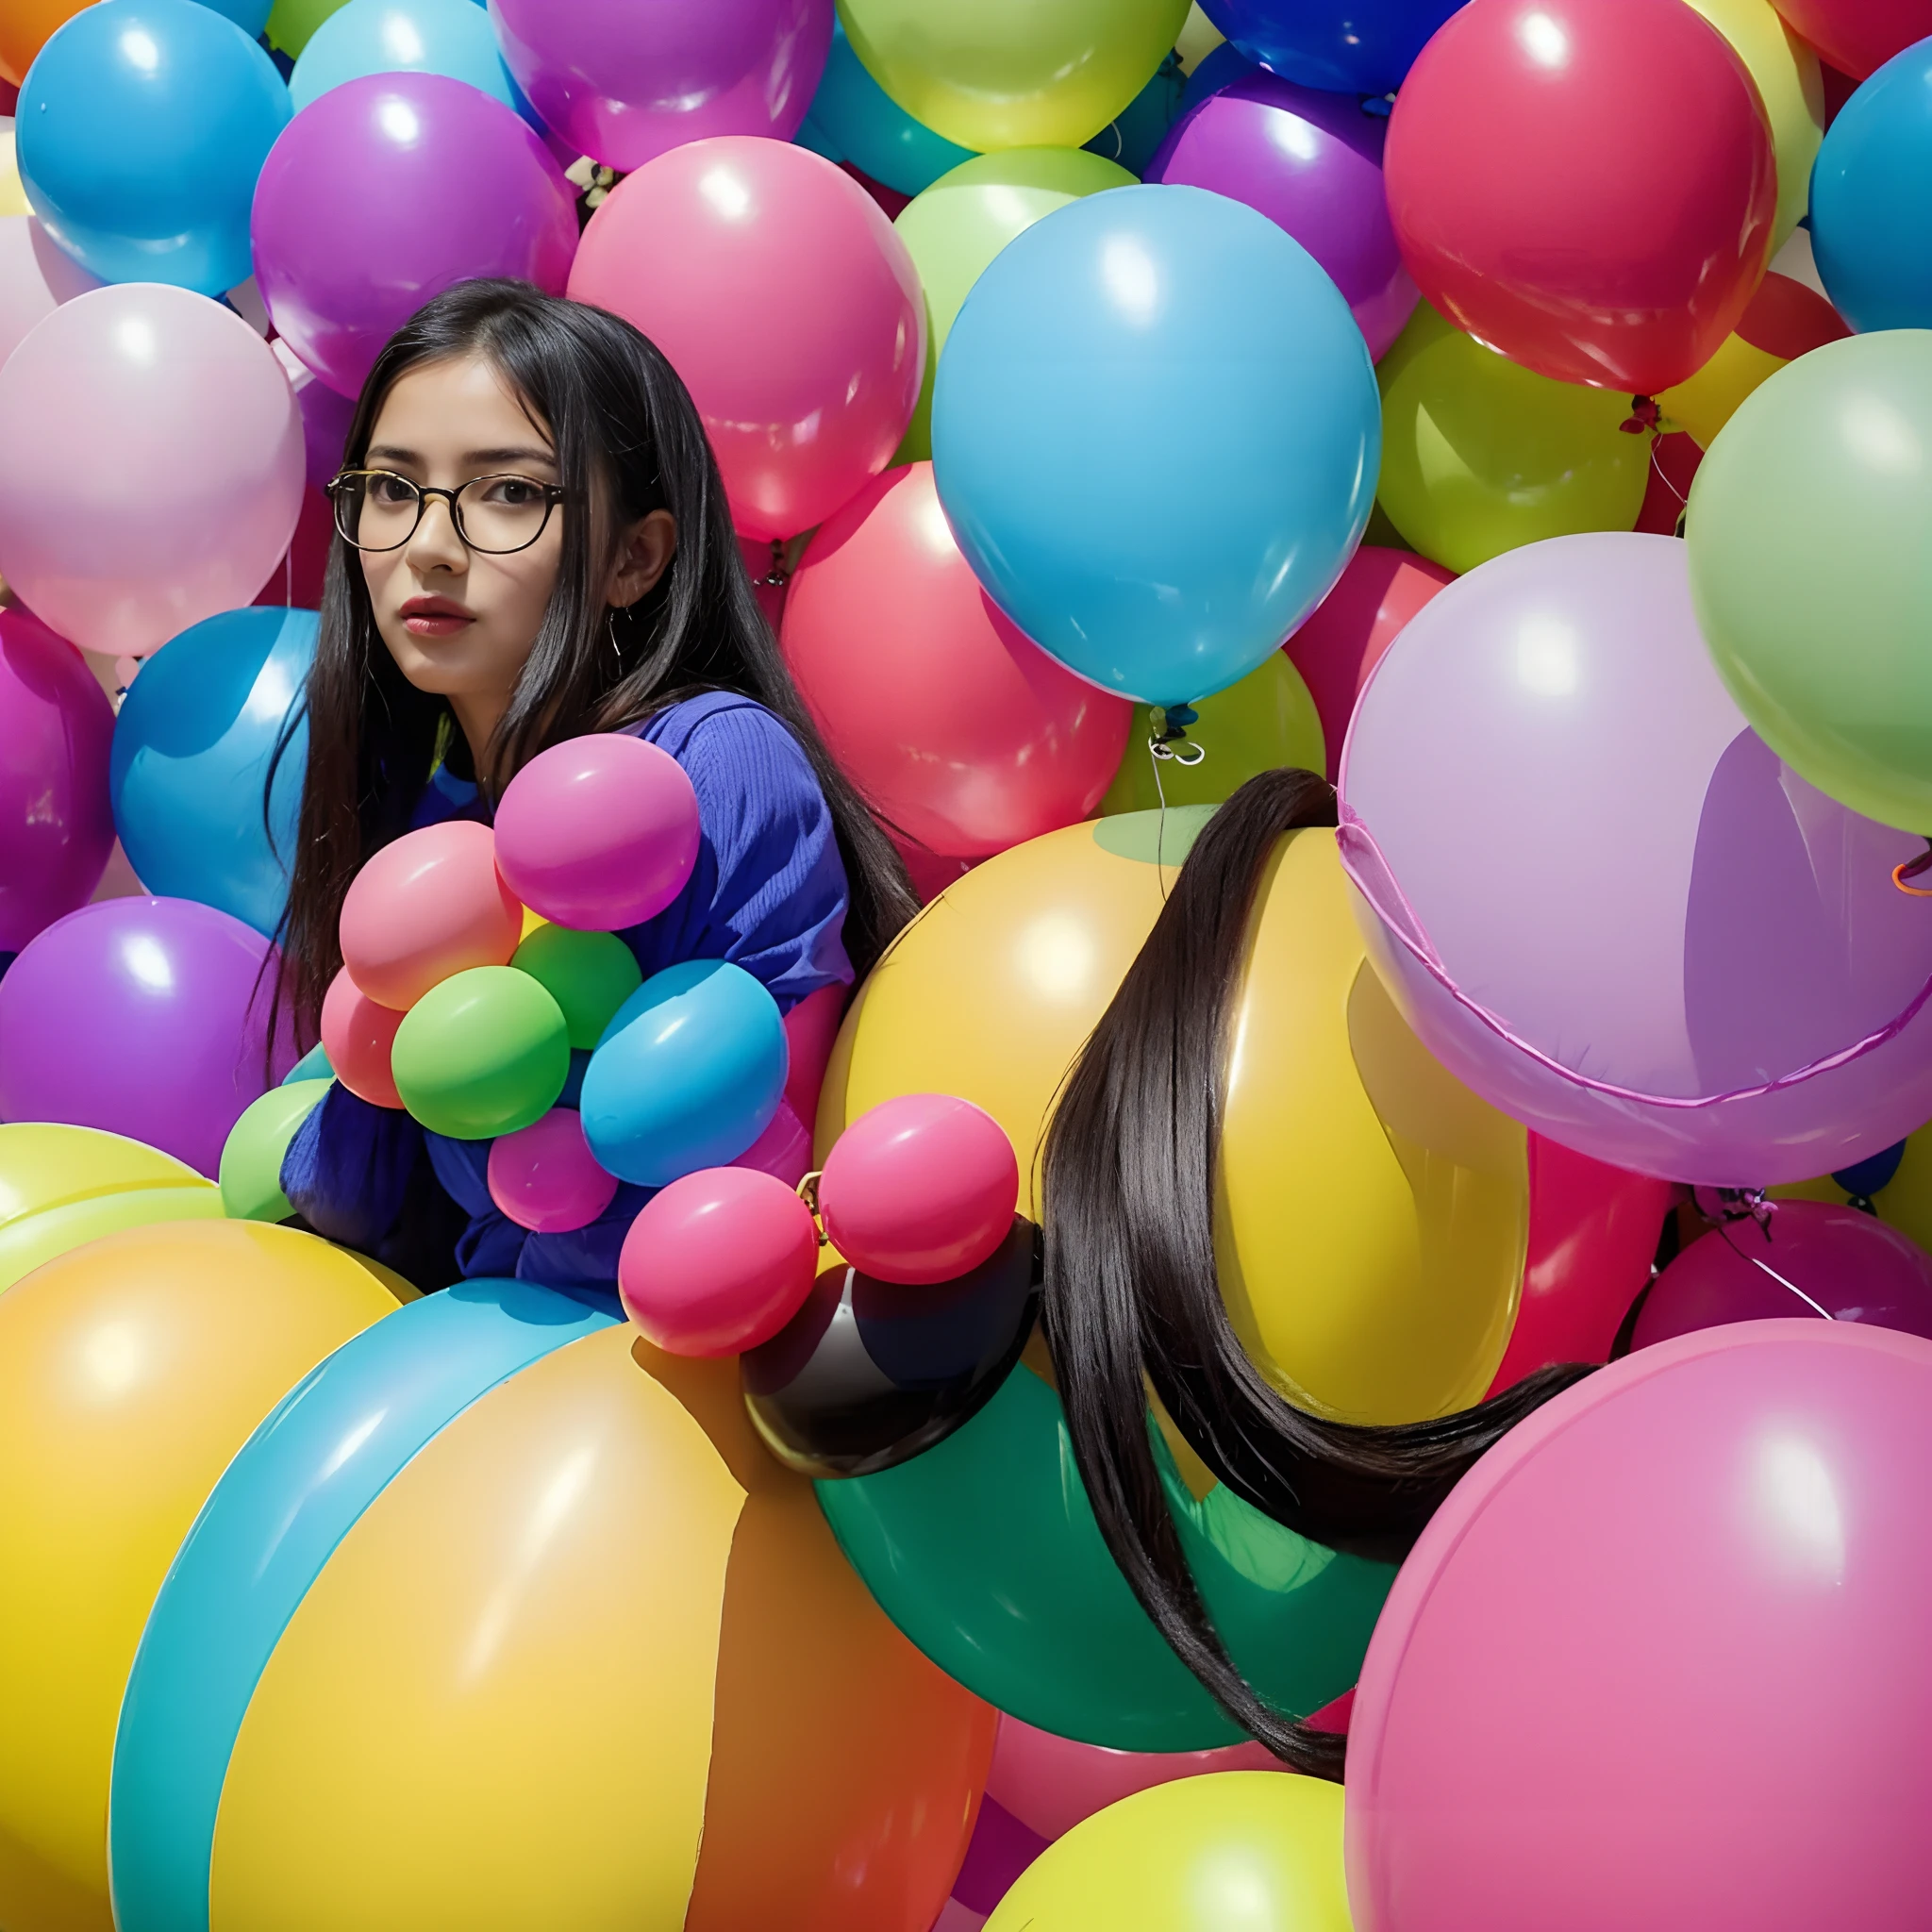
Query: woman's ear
{"x": 644, "y": 554}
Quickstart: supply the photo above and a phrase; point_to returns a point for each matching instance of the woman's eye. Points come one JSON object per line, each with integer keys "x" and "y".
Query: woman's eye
{"x": 513, "y": 493}
{"x": 390, "y": 490}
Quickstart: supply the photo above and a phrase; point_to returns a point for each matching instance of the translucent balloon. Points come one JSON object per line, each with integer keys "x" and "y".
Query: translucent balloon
{"x": 37, "y": 274}
{"x": 449, "y": 37}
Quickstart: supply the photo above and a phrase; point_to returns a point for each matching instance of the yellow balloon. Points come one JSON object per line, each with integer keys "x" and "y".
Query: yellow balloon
{"x": 994, "y": 74}
{"x": 13, "y": 199}
{"x": 1372, "y": 1213}
{"x": 1481, "y": 455}
{"x": 956, "y": 227}
{"x": 1197, "y": 38}
{"x": 1703, "y": 403}
{"x": 1228, "y": 1851}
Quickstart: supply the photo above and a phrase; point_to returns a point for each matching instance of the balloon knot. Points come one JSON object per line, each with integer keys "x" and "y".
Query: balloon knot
{"x": 1728, "y": 1206}
{"x": 1645, "y": 414}
{"x": 1380, "y": 107}
{"x": 1911, "y": 869}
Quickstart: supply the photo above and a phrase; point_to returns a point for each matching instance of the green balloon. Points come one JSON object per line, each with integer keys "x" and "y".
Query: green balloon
{"x": 1266, "y": 721}
{"x": 485, "y": 1053}
{"x": 291, "y": 21}
{"x": 590, "y": 974}
{"x": 984, "y": 1551}
{"x": 251, "y": 1173}
{"x": 1807, "y": 534}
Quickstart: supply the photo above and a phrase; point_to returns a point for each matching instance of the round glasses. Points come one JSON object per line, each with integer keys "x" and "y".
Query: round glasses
{"x": 377, "y": 509}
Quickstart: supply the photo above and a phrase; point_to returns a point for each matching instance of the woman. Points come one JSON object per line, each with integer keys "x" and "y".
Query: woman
{"x": 532, "y": 543}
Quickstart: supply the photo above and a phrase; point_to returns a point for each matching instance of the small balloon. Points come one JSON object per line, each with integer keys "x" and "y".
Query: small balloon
{"x": 482, "y": 1053}
{"x": 544, "y": 1177}
{"x": 251, "y": 1168}
{"x": 590, "y": 974}
{"x": 358, "y": 1039}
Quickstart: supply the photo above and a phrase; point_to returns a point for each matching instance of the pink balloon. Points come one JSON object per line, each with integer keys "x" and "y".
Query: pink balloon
{"x": 783, "y": 1150}
{"x": 150, "y": 466}
{"x": 37, "y": 275}
{"x": 1816, "y": 1258}
{"x": 718, "y": 1261}
{"x": 921, "y": 1189}
{"x": 359, "y": 1037}
{"x": 1660, "y": 1659}
{"x": 598, "y": 833}
{"x": 545, "y": 1177}
{"x": 787, "y": 303}
{"x": 429, "y": 905}
{"x": 56, "y": 826}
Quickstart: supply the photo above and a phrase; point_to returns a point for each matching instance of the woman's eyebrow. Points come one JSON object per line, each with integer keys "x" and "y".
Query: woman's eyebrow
{"x": 526, "y": 454}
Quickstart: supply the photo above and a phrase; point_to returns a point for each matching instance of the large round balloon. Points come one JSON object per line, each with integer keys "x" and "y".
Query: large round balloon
{"x": 1858, "y": 36}
{"x": 1707, "y": 976}
{"x": 37, "y": 275}
{"x": 1722, "y": 1528}
{"x": 1161, "y": 547}
{"x": 344, "y": 251}
{"x": 852, "y": 118}
{"x": 783, "y": 298}
{"x": 141, "y": 130}
{"x": 450, "y": 36}
{"x": 1592, "y": 229}
{"x": 1347, "y": 49}
{"x": 955, "y": 726}
{"x": 1806, "y": 522}
{"x": 990, "y": 74}
{"x": 105, "y": 407}
{"x": 623, "y": 84}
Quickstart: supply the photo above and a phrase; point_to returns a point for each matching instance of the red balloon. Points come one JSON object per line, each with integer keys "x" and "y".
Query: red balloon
{"x": 1585, "y": 185}
{"x": 359, "y": 1037}
{"x": 1859, "y": 36}
{"x": 959, "y": 729}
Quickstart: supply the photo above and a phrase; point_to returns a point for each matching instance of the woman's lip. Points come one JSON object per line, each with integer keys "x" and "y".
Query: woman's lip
{"x": 433, "y": 623}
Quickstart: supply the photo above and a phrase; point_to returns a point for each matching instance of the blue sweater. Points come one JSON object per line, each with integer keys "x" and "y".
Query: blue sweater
{"x": 768, "y": 893}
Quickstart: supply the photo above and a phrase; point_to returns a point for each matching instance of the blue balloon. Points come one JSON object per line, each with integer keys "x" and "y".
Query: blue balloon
{"x": 853, "y": 119}
{"x": 688, "y": 1075}
{"x": 1348, "y": 46}
{"x": 190, "y": 762}
{"x": 141, "y": 130}
{"x": 1872, "y": 199}
{"x": 447, "y": 37}
{"x": 1156, "y": 435}
{"x": 251, "y": 16}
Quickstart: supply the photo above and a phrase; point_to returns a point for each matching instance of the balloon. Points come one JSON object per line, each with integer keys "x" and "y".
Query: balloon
{"x": 1345, "y": 635}
{"x": 1715, "y": 1528}
{"x": 359, "y": 1037}
{"x": 1347, "y": 49}
{"x": 1134, "y": 134}
{"x": 1593, "y": 231}
{"x": 626, "y": 85}
{"x": 326, "y": 414}
{"x": 954, "y": 228}
{"x": 141, "y": 130}
{"x": 484, "y": 1052}
{"x": 688, "y": 1075}
{"x": 342, "y": 254}
{"x": 1195, "y": 1856}
{"x": 37, "y": 275}
{"x": 426, "y": 906}
{"x": 1481, "y": 455}
{"x": 1859, "y": 36}
{"x": 590, "y": 974}
{"x": 145, "y": 1017}
{"x": 1709, "y": 978}
{"x": 449, "y": 37}
{"x": 105, "y": 407}
{"x": 1159, "y": 552}
{"x": 251, "y": 16}
{"x": 544, "y": 1177}
{"x": 784, "y": 300}
{"x": 718, "y": 1261}
{"x": 955, "y": 727}
{"x": 598, "y": 832}
{"x": 251, "y": 1168}
{"x": 191, "y": 749}
{"x": 996, "y": 74}
{"x": 292, "y": 24}
{"x": 1784, "y": 320}
{"x": 55, "y": 827}
{"x": 869, "y": 129}
{"x": 1805, "y": 522}
{"x": 1312, "y": 163}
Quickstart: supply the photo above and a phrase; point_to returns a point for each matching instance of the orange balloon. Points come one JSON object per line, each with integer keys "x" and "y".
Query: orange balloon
{"x": 25, "y": 27}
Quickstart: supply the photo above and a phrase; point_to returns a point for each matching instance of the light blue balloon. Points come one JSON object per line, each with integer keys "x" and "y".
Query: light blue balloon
{"x": 447, "y": 37}
{"x": 1156, "y": 435}
{"x": 190, "y": 762}
{"x": 688, "y": 1075}
{"x": 1872, "y": 199}
{"x": 853, "y": 119}
{"x": 141, "y": 130}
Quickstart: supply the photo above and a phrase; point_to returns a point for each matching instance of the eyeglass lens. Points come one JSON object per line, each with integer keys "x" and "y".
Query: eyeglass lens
{"x": 378, "y": 510}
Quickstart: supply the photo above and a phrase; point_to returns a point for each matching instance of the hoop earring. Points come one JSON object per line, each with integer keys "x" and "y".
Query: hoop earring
{"x": 610, "y": 627}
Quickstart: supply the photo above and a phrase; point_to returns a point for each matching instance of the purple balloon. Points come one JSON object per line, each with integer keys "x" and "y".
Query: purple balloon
{"x": 145, "y": 1017}
{"x": 622, "y": 83}
{"x": 388, "y": 190}
{"x": 1312, "y": 163}
{"x": 1601, "y": 901}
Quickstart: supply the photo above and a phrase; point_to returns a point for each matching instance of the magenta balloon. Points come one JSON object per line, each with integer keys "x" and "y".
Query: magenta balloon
{"x": 145, "y": 1017}
{"x": 57, "y": 821}
{"x": 1660, "y": 1659}
{"x": 622, "y": 83}
{"x": 388, "y": 190}
{"x": 1312, "y": 163}
{"x": 544, "y": 1177}
{"x": 1601, "y": 901}
{"x": 1816, "y": 1258}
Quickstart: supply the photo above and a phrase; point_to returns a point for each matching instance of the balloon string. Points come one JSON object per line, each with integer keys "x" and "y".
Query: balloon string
{"x": 1756, "y": 1261}
{"x": 1911, "y": 869}
{"x": 1169, "y": 739}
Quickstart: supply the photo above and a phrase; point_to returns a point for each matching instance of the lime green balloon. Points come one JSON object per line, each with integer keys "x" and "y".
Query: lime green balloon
{"x": 251, "y": 1171}
{"x": 956, "y": 227}
{"x": 1809, "y": 538}
{"x": 1481, "y": 455}
{"x": 1234, "y": 1850}
{"x": 485, "y": 1053}
{"x": 291, "y": 21}
{"x": 1266, "y": 721}
{"x": 590, "y": 974}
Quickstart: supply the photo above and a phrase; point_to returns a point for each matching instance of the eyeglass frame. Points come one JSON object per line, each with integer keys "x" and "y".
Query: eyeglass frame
{"x": 554, "y": 493}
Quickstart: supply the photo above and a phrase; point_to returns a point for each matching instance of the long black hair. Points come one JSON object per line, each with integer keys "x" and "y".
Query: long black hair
{"x": 628, "y": 440}
{"x": 1132, "y": 1297}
